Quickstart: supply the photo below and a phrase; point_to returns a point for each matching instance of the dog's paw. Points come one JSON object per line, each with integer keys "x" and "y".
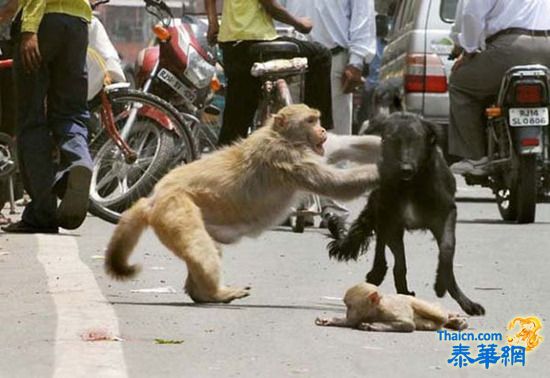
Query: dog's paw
{"x": 376, "y": 277}
{"x": 472, "y": 308}
{"x": 440, "y": 286}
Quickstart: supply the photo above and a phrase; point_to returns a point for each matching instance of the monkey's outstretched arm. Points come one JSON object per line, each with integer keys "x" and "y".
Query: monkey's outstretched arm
{"x": 395, "y": 326}
{"x": 343, "y": 184}
{"x": 362, "y": 149}
{"x": 332, "y": 322}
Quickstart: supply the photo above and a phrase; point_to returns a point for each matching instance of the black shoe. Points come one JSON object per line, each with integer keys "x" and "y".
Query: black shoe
{"x": 25, "y": 228}
{"x": 74, "y": 205}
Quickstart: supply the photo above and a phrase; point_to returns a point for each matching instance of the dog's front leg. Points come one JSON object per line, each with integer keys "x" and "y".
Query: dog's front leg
{"x": 395, "y": 242}
{"x": 444, "y": 233}
{"x": 379, "y": 266}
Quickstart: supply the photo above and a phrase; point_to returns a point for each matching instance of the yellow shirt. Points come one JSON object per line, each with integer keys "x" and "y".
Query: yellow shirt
{"x": 34, "y": 10}
{"x": 245, "y": 20}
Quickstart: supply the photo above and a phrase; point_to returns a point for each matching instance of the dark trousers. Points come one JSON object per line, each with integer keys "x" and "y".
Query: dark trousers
{"x": 7, "y": 109}
{"x": 243, "y": 90}
{"x": 52, "y": 114}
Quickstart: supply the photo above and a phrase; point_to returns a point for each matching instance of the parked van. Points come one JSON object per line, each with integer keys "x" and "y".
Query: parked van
{"x": 415, "y": 64}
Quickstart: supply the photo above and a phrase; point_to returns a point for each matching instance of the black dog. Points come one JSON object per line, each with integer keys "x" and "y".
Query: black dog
{"x": 416, "y": 191}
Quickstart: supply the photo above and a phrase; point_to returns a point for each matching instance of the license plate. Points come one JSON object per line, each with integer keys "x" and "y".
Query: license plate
{"x": 520, "y": 117}
{"x": 174, "y": 83}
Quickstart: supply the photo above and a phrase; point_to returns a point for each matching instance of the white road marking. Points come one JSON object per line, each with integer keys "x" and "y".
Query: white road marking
{"x": 80, "y": 307}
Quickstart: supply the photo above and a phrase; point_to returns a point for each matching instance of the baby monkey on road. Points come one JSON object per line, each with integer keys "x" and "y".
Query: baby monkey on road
{"x": 369, "y": 310}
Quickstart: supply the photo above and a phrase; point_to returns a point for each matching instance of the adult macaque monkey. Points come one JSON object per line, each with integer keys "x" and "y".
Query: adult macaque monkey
{"x": 237, "y": 191}
{"x": 368, "y": 310}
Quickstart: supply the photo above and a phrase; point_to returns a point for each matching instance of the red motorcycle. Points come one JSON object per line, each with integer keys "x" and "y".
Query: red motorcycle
{"x": 181, "y": 68}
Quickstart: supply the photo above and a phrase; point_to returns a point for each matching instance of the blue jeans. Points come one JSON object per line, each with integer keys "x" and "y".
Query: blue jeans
{"x": 52, "y": 114}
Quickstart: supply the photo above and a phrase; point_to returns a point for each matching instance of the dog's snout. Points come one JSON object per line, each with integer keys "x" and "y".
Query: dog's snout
{"x": 407, "y": 170}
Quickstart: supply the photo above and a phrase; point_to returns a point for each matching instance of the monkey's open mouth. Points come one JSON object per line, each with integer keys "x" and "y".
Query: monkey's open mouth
{"x": 318, "y": 148}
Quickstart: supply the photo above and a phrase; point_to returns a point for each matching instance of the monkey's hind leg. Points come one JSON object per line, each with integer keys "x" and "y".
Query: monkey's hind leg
{"x": 456, "y": 322}
{"x": 179, "y": 226}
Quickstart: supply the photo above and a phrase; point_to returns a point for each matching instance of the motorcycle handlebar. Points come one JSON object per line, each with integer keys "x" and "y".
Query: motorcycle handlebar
{"x": 161, "y": 9}
{"x": 95, "y": 4}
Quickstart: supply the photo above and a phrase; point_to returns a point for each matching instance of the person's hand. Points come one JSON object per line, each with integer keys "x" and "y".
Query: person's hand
{"x": 456, "y": 51}
{"x": 30, "y": 52}
{"x": 212, "y": 34}
{"x": 463, "y": 58}
{"x": 304, "y": 25}
{"x": 351, "y": 78}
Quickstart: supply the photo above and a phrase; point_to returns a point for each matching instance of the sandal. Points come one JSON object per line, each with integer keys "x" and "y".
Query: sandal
{"x": 4, "y": 220}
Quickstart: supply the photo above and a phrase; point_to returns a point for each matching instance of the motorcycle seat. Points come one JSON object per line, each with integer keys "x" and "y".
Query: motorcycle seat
{"x": 263, "y": 51}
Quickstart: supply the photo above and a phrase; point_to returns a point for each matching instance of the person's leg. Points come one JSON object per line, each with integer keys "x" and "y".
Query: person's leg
{"x": 318, "y": 86}
{"x": 341, "y": 102}
{"x": 242, "y": 93}
{"x": 34, "y": 142}
{"x": 67, "y": 97}
{"x": 67, "y": 118}
{"x": 472, "y": 87}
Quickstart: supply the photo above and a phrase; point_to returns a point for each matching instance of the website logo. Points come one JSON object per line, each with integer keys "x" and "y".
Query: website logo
{"x": 486, "y": 349}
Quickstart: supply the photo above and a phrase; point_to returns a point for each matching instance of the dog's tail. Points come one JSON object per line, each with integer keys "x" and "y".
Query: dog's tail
{"x": 350, "y": 245}
{"x": 124, "y": 239}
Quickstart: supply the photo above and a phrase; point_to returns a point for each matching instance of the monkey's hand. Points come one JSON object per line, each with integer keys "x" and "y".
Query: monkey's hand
{"x": 342, "y": 184}
{"x": 322, "y": 321}
{"x": 333, "y": 322}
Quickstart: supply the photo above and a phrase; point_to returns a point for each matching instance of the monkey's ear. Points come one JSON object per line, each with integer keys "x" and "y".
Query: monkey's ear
{"x": 280, "y": 121}
{"x": 374, "y": 297}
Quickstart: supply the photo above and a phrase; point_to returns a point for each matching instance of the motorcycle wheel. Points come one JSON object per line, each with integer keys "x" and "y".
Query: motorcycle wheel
{"x": 207, "y": 139}
{"x": 507, "y": 205}
{"x": 518, "y": 202}
{"x": 117, "y": 184}
{"x": 526, "y": 189}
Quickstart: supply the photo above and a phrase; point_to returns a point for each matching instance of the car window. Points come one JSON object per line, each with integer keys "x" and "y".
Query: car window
{"x": 405, "y": 14}
{"x": 448, "y": 10}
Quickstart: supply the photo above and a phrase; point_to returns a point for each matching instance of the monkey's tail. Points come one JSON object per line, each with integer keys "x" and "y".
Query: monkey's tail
{"x": 124, "y": 239}
{"x": 350, "y": 245}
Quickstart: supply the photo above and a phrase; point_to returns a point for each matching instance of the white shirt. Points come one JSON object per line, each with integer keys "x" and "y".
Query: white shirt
{"x": 483, "y": 18}
{"x": 457, "y": 26}
{"x": 347, "y": 23}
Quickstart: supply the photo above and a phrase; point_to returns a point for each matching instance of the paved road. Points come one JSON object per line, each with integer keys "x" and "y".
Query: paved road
{"x": 53, "y": 292}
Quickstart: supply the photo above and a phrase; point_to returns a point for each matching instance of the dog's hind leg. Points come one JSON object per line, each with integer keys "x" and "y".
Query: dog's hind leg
{"x": 395, "y": 242}
{"x": 379, "y": 266}
{"x": 444, "y": 233}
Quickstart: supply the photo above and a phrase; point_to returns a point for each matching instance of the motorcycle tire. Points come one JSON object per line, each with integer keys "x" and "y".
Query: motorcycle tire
{"x": 507, "y": 204}
{"x": 207, "y": 139}
{"x": 116, "y": 184}
{"x": 526, "y": 189}
{"x": 518, "y": 202}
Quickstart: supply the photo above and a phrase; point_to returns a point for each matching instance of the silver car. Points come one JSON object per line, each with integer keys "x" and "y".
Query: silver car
{"x": 415, "y": 64}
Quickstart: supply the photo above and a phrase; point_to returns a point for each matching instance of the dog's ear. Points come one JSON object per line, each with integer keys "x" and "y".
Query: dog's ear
{"x": 376, "y": 125}
{"x": 435, "y": 132}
